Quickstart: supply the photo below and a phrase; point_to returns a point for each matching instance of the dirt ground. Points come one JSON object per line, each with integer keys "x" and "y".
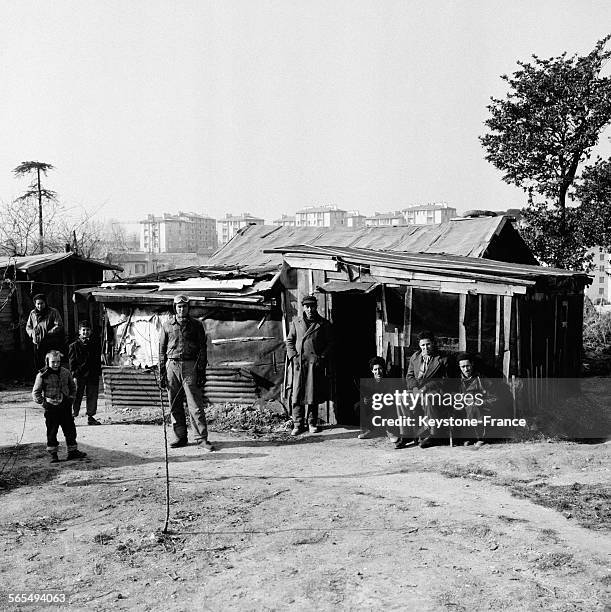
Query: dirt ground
{"x": 319, "y": 523}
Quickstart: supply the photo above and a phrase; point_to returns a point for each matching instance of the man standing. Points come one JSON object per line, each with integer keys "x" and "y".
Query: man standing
{"x": 427, "y": 375}
{"x": 84, "y": 356}
{"x": 309, "y": 345}
{"x": 182, "y": 369}
{"x": 45, "y": 328}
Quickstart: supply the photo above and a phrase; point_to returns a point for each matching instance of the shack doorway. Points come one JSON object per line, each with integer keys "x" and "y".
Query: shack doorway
{"x": 354, "y": 325}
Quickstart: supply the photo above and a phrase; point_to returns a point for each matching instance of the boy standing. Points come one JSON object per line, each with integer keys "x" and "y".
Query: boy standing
{"x": 85, "y": 366}
{"x": 54, "y": 389}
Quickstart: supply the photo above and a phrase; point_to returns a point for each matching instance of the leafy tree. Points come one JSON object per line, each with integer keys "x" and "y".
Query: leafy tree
{"x": 36, "y": 190}
{"x": 539, "y": 137}
{"x": 594, "y": 193}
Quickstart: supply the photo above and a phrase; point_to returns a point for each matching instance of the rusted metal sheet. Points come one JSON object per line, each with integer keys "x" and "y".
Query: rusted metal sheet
{"x": 127, "y": 386}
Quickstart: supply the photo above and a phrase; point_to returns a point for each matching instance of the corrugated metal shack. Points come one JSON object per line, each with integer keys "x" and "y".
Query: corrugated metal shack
{"x": 473, "y": 282}
{"x": 242, "y": 315}
{"x": 57, "y": 275}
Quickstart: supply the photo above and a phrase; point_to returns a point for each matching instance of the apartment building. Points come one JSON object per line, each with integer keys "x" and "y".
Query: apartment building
{"x": 600, "y": 289}
{"x": 385, "y": 219}
{"x": 355, "y": 219}
{"x": 178, "y": 233}
{"x": 285, "y": 221}
{"x": 229, "y": 225}
{"x": 321, "y": 216}
{"x": 428, "y": 214}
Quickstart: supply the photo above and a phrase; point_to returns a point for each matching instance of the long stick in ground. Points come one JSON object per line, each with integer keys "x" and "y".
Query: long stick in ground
{"x": 167, "y": 467}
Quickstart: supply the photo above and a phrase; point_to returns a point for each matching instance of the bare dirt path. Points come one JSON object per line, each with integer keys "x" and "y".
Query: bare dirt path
{"x": 323, "y": 523}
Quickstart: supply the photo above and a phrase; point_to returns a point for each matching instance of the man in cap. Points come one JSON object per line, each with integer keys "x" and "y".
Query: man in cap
{"x": 46, "y": 329}
{"x": 182, "y": 368}
{"x": 309, "y": 345}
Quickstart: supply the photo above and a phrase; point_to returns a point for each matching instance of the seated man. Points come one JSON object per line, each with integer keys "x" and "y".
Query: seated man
{"x": 428, "y": 374}
{"x": 377, "y": 367}
{"x": 492, "y": 394}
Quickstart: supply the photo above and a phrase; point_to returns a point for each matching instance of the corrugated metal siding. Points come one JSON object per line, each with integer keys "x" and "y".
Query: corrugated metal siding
{"x": 134, "y": 387}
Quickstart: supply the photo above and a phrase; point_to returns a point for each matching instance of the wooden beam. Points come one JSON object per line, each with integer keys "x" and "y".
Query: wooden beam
{"x": 462, "y": 330}
{"x": 507, "y": 336}
{"x": 479, "y": 324}
{"x": 311, "y": 263}
{"x": 497, "y": 334}
{"x": 407, "y": 316}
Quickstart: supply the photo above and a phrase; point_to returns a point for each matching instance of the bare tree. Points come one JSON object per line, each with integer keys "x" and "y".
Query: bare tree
{"x": 20, "y": 226}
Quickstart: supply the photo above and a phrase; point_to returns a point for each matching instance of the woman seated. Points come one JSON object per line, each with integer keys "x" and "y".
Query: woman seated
{"x": 372, "y": 409}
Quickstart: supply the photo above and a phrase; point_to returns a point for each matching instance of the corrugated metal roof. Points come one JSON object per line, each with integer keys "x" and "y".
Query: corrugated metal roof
{"x": 33, "y": 263}
{"x": 450, "y": 265}
{"x": 464, "y": 237}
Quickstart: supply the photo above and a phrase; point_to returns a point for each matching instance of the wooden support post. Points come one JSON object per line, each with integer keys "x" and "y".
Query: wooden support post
{"x": 497, "y": 334}
{"x": 66, "y": 306}
{"x": 506, "y": 335}
{"x": 462, "y": 330}
{"x": 407, "y": 317}
{"x": 479, "y": 323}
{"x": 518, "y": 339}
{"x": 74, "y": 304}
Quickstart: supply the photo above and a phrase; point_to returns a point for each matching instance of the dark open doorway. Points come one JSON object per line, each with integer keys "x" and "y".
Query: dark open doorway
{"x": 354, "y": 323}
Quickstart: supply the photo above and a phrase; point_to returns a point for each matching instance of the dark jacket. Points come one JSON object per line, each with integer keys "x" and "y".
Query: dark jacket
{"x": 439, "y": 369}
{"x": 45, "y": 326}
{"x": 309, "y": 349}
{"x": 182, "y": 342}
{"x": 85, "y": 358}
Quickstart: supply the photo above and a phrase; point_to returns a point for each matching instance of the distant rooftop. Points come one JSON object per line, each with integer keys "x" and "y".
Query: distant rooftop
{"x": 245, "y": 216}
{"x": 429, "y": 206}
{"x": 323, "y": 208}
{"x": 174, "y": 217}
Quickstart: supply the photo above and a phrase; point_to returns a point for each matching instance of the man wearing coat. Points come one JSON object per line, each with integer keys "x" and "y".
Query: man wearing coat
{"x": 46, "y": 329}
{"x": 428, "y": 373}
{"x": 309, "y": 345}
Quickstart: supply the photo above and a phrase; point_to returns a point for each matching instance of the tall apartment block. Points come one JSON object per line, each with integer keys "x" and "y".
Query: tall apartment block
{"x": 321, "y": 216}
{"x": 601, "y": 287}
{"x": 228, "y": 226}
{"x": 180, "y": 233}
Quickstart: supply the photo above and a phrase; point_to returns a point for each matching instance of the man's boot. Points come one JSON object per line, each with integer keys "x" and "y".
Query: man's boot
{"x": 54, "y": 458}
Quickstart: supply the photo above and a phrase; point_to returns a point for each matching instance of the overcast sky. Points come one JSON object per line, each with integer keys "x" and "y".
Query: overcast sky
{"x": 268, "y": 106}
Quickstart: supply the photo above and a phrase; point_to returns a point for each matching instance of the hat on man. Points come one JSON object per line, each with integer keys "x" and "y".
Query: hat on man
{"x": 308, "y": 299}
{"x": 40, "y": 296}
{"x": 181, "y": 299}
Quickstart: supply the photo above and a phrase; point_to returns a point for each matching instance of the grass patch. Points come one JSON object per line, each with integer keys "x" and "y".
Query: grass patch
{"x": 586, "y": 503}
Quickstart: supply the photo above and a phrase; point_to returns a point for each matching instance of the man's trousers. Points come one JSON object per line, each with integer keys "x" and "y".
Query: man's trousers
{"x": 182, "y": 383}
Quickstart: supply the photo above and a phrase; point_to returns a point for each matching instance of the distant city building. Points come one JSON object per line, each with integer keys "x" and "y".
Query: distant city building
{"x": 181, "y": 233}
{"x": 600, "y": 289}
{"x": 228, "y": 226}
{"x": 285, "y": 220}
{"x": 385, "y": 219}
{"x": 137, "y": 263}
{"x": 321, "y": 216}
{"x": 355, "y": 219}
{"x": 428, "y": 214}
